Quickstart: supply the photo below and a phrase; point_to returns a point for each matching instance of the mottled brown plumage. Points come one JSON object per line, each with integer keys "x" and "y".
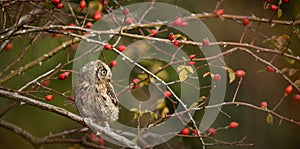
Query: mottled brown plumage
{"x": 94, "y": 95}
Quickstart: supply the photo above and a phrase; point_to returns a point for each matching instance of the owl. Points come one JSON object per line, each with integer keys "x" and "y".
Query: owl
{"x": 94, "y": 95}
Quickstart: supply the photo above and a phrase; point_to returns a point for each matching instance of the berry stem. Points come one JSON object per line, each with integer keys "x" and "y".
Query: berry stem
{"x": 282, "y": 98}
{"x": 237, "y": 89}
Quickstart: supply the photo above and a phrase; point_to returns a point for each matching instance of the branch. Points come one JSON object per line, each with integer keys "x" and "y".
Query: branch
{"x": 44, "y": 106}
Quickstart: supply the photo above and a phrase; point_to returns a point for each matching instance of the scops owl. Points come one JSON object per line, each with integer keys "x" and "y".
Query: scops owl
{"x": 94, "y": 95}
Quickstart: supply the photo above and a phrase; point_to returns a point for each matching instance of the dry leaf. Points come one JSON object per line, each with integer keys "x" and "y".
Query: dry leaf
{"x": 269, "y": 119}
{"x": 183, "y": 74}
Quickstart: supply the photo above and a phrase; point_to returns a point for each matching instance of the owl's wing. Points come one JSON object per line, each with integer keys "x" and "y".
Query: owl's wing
{"x": 111, "y": 93}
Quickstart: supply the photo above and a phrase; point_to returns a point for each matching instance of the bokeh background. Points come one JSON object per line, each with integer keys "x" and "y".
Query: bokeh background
{"x": 257, "y": 86}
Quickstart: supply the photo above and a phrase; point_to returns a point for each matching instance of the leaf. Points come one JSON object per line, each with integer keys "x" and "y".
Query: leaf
{"x": 231, "y": 76}
{"x": 153, "y": 115}
{"x": 285, "y": 69}
{"x": 292, "y": 72}
{"x": 297, "y": 82}
{"x": 183, "y": 74}
{"x": 279, "y": 13}
{"x": 269, "y": 119}
{"x": 161, "y": 103}
{"x": 164, "y": 112}
{"x": 290, "y": 61}
{"x": 190, "y": 69}
{"x": 134, "y": 110}
{"x": 179, "y": 68}
{"x": 206, "y": 74}
{"x": 202, "y": 98}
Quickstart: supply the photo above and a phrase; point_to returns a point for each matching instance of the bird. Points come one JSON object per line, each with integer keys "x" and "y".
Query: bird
{"x": 94, "y": 94}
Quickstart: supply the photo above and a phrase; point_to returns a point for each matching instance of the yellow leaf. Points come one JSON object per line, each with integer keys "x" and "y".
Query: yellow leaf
{"x": 164, "y": 112}
{"x": 153, "y": 115}
{"x": 161, "y": 103}
{"x": 134, "y": 110}
{"x": 231, "y": 77}
{"x": 269, "y": 119}
{"x": 179, "y": 68}
{"x": 183, "y": 74}
{"x": 190, "y": 69}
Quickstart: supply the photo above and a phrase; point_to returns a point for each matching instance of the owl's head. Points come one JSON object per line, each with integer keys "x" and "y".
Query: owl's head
{"x": 103, "y": 72}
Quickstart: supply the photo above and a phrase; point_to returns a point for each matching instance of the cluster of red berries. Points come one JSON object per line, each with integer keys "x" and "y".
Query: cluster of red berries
{"x": 179, "y": 22}
{"x": 134, "y": 83}
{"x": 288, "y": 90}
{"x": 57, "y": 4}
{"x": 173, "y": 39}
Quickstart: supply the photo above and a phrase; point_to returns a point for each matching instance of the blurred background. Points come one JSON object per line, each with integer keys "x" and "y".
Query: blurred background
{"x": 257, "y": 85}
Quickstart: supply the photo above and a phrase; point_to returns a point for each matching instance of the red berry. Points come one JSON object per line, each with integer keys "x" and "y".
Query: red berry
{"x": 217, "y": 77}
{"x": 55, "y": 2}
{"x": 268, "y": 1}
{"x": 191, "y": 63}
{"x": 185, "y": 131}
{"x": 9, "y": 47}
{"x": 240, "y": 73}
{"x": 270, "y": 69}
{"x": 49, "y": 97}
{"x": 82, "y": 4}
{"x": 108, "y": 47}
{"x": 63, "y": 75}
{"x": 113, "y": 63}
{"x": 59, "y": 6}
{"x": 205, "y": 42}
{"x": 129, "y": 21}
{"x": 285, "y": 1}
{"x": 168, "y": 93}
{"x": 176, "y": 43}
{"x": 177, "y": 21}
{"x": 192, "y": 56}
{"x": 184, "y": 24}
{"x": 101, "y": 141}
{"x": 246, "y": 22}
{"x": 97, "y": 15}
{"x": 288, "y": 89}
{"x": 211, "y": 131}
{"x": 125, "y": 11}
{"x": 134, "y": 83}
{"x": 46, "y": 82}
{"x": 153, "y": 32}
{"x": 171, "y": 37}
{"x": 219, "y": 12}
{"x": 263, "y": 104}
{"x": 273, "y": 7}
{"x": 297, "y": 97}
{"x": 121, "y": 48}
{"x": 89, "y": 25}
{"x": 195, "y": 132}
{"x": 233, "y": 125}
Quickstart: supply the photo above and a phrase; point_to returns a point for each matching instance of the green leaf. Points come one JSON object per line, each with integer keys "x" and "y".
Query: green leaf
{"x": 231, "y": 76}
{"x": 290, "y": 61}
{"x": 269, "y": 119}
{"x": 279, "y": 13}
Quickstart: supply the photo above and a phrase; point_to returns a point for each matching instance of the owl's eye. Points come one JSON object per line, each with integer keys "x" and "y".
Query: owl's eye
{"x": 103, "y": 72}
